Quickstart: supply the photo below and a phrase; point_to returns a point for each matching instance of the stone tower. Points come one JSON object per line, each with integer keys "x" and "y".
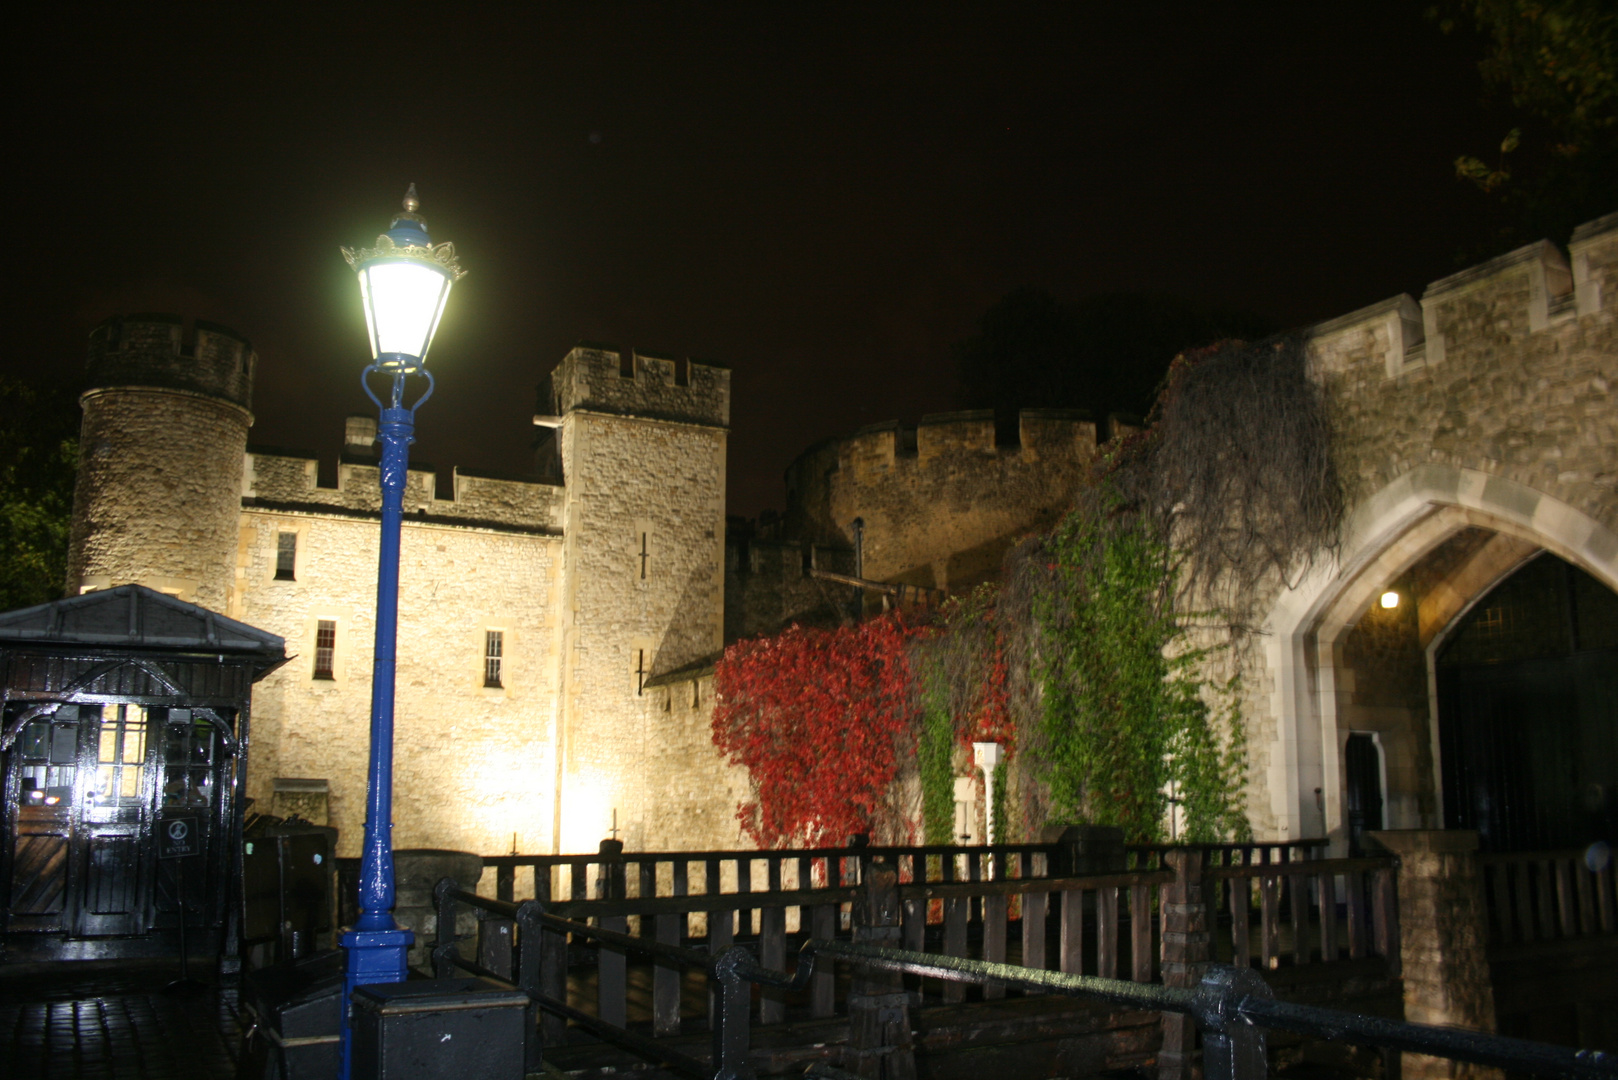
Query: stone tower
{"x": 642, "y": 446}
{"x": 158, "y": 499}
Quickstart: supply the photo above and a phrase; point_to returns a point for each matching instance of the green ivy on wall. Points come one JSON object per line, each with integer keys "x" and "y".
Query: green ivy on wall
{"x": 1125, "y": 713}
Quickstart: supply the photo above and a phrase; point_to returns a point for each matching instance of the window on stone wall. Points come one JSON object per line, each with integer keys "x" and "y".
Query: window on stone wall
{"x": 325, "y": 647}
{"x": 286, "y": 555}
{"x": 640, "y": 670}
{"x": 494, "y": 647}
{"x": 644, "y": 553}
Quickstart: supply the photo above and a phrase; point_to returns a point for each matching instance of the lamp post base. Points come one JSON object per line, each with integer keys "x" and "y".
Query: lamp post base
{"x": 374, "y": 956}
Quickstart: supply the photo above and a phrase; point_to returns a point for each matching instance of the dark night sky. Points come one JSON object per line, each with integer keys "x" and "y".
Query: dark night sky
{"x": 824, "y": 198}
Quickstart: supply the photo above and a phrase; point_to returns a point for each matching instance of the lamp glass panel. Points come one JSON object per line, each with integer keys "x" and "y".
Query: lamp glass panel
{"x": 403, "y": 300}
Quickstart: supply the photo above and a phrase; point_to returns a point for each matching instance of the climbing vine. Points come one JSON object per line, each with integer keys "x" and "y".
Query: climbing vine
{"x": 1125, "y": 718}
{"x": 1092, "y": 662}
{"x": 818, "y": 718}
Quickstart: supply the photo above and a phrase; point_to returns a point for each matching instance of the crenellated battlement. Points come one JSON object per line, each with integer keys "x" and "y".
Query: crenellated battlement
{"x": 940, "y": 501}
{"x": 1505, "y": 300}
{"x": 630, "y": 383}
{"x": 157, "y": 350}
{"x": 285, "y": 480}
{"x": 944, "y": 442}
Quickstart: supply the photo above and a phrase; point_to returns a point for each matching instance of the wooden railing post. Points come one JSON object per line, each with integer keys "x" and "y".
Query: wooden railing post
{"x": 666, "y": 977}
{"x": 505, "y": 882}
{"x": 612, "y": 972}
{"x": 879, "y": 1043}
{"x": 444, "y": 945}
{"x": 1187, "y": 946}
{"x": 527, "y": 976}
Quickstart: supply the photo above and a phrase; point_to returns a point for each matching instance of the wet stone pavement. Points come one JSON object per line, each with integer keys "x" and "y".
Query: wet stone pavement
{"x": 115, "y": 1021}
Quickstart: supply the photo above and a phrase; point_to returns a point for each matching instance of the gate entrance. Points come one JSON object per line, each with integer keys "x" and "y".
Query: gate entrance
{"x": 1528, "y": 712}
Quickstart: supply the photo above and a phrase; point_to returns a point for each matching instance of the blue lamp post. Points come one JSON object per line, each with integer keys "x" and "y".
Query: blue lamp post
{"x": 404, "y": 282}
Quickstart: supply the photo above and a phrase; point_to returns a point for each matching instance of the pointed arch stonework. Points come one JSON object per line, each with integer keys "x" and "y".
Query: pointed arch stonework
{"x": 1385, "y": 535}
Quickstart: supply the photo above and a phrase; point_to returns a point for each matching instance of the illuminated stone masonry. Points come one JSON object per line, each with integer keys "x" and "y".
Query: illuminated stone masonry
{"x": 532, "y": 614}
{"x": 1475, "y": 427}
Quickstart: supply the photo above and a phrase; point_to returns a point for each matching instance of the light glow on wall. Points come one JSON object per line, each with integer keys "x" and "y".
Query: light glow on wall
{"x": 1390, "y": 599}
{"x": 510, "y": 801}
{"x": 586, "y": 814}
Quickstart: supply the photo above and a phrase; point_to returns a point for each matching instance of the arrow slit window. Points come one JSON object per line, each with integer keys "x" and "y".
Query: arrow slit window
{"x": 494, "y": 648}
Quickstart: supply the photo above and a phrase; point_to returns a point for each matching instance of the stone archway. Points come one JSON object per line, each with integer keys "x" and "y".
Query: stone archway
{"x": 1485, "y": 526}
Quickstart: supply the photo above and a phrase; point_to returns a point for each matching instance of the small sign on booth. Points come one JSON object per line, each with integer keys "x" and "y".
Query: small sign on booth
{"x": 178, "y": 838}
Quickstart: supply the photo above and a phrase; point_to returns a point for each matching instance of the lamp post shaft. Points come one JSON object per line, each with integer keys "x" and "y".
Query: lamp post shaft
{"x": 377, "y": 946}
{"x": 376, "y": 858}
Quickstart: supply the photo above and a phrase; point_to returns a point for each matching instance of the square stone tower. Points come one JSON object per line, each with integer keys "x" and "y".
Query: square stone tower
{"x": 642, "y": 443}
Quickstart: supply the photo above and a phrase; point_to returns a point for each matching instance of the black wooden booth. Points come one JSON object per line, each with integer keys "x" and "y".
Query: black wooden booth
{"x": 125, "y": 759}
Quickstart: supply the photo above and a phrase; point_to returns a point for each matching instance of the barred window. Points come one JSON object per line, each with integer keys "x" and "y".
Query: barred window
{"x": 494, "y": 647}
{"x": 325, "y": 647}
{"x": 286, "y": 555}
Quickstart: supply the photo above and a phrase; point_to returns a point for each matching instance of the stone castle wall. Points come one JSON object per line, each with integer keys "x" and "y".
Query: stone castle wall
{"x": 1490, "y": 401}
{"x": 472, "y": 764}
{"x": 290, "y": 481}
{"x": 1499, "y": 380}
{"x": 941, "y": 502}
{"x": 768, "y": 584}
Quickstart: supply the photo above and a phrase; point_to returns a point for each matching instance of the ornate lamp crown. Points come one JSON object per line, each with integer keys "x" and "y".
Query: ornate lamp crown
{"x": 407, "y": 238}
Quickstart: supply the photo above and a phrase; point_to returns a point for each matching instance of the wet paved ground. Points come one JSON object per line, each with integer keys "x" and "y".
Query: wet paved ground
{"x": 114, "y": 1021}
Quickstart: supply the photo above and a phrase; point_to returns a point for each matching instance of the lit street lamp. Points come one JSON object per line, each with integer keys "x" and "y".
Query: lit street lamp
{"x": 404, "y": 281}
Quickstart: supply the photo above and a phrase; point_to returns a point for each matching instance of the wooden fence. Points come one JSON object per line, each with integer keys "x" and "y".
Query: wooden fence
{"x": 1000, "y": 904}
{"x": 1545, "y": 896}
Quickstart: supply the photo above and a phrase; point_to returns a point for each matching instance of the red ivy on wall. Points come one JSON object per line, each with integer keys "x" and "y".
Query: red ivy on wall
{"x": 991, "y": 718}
{"x": 819, "y": 719}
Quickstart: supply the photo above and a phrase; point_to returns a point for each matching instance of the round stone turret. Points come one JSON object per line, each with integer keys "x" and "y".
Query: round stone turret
{"x": 161, "y": 447}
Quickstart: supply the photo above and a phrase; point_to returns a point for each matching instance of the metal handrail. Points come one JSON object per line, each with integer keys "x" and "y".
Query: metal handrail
{"x": 1233, "y": 1007}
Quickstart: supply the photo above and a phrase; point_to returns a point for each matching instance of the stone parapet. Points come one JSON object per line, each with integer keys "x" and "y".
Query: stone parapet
{"x": 154, "y": 350}
{"x": 941, "y": 501}
{"x": 629, "y": 383}
{"x": 291, "y": 482}
{"x": 1443, "y": 932}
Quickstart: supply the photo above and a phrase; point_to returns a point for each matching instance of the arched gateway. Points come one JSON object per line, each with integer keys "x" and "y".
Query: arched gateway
{"x": 1478, "y": 433}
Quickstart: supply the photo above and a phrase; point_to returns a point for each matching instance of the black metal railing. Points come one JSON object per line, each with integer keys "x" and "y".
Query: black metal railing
{"x": 1232, "y": 1007}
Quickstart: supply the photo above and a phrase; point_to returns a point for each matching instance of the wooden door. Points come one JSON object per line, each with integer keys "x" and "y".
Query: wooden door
{"x": 195, "y": 774}
{"x": 117, "y": 785}
{"x": 43, "y": 766}
{"x": 1364, "y": 767}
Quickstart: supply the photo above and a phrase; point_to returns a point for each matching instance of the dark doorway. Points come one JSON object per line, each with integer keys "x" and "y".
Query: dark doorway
{"x": 1528, "y": 712}
{"x": 1363, "y": 761}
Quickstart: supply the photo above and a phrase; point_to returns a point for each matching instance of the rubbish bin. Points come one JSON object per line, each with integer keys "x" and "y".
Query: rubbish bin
{"x": 288, "y": 874}
{"x": 297, "y": 1015}
{"x": 439, "y": 1029}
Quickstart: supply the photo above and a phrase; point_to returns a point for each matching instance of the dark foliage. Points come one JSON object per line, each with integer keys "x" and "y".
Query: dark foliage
{"x": 1554, "y": 64}
{"x": 39, "y": 428}
{"x": 1237, "y": 469}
